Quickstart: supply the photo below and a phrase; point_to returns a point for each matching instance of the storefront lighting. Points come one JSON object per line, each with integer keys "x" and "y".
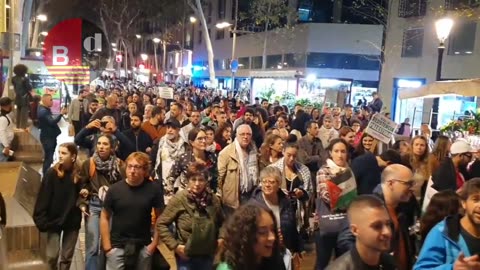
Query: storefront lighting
{"x": 144, "y": 56}
{"x": 311, "y": 78}
{"x": 38, "y": 54}
{"x": 156, "y": 40}
{"x": 402, "y": 83}
{"x": 329, "y": 82}
{"x": 223, "y": 25}
{"x": 42, "y": 17}
{"x": 468, "y": 52}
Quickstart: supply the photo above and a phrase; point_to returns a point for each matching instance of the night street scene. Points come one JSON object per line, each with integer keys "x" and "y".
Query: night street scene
{"x": 239, "y": 135}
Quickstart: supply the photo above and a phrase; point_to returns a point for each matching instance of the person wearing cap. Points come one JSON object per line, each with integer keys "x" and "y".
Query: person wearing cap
{"x": 6, "y": 128}
{"x": 170, "y": 148}
{"x": 449, "y": 176}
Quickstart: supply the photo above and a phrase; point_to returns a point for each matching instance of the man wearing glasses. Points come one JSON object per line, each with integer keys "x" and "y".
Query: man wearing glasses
{"x": 396, "y": 189}
{"x": 449, "y": 175}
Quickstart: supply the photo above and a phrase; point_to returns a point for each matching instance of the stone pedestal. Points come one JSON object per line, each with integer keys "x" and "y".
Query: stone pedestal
{"x": 25, "y": 245}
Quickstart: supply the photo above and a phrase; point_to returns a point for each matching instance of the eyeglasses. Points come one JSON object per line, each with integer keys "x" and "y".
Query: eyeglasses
{"x": 245, "y": 134}
{"x": 270, "y": 182}
{"x": 409, "y": 184}
{"x": 135, "y": 167}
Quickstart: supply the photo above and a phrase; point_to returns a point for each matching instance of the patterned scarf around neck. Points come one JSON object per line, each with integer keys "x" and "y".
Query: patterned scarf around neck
{"x": 248, "y": 167}
{"x": 109, "y": 167}
{"x": 201, "y": 200}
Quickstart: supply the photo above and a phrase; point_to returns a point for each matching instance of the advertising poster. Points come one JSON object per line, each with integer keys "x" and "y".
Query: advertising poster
{"x": 47, "y": 84}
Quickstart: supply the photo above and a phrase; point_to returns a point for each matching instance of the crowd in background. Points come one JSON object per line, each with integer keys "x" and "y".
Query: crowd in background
{"x": 228, "y": 184}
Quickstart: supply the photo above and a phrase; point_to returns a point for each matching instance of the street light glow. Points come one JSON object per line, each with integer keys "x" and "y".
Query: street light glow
{"x": 114, "y": 44}
{"x": 443, "y": 28}
{"x": 44, "y": 33}
{"x": 144, "y": 56}
{"x": 138, "y": 36}
{"x": 311, "y": 78}
{"x": 42, "y": 17}
{"x": 223, "y": 25}
{"x": 193, "y": 19}
{"x": 114, "y": 49}
{"x": 156, "y": 40}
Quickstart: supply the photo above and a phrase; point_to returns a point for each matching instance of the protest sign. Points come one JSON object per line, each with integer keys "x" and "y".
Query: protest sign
{"x": 381, "y": 128}
{"x": 166, "y": 92}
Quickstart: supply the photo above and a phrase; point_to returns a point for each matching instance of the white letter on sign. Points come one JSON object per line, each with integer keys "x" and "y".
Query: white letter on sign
{"x": 60, "y": 57}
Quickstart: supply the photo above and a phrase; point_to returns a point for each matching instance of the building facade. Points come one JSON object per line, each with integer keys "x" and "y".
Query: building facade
{"x": 411, "y": 56}
{"x": 307, "y": 61}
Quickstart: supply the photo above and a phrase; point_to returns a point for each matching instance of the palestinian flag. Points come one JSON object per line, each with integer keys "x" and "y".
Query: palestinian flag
{"x": 342, "y": 189}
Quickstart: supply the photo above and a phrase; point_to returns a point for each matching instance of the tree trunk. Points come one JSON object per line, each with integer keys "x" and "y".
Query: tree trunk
{"x": 265, "y": 39}
{"x": 206, "y": 35}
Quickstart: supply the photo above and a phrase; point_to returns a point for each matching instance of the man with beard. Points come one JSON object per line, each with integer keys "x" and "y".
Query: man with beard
{"x": 6, "y": 128}
{"x": 92, "y": 109}
{"x": 139, "y": 138}
{"x": 372, "y": 228}
{"x": 449, "y": 176}
{"x": 194, "y": 123}
{"x": 154, "y": 126}
{"x": 454, "y": 243}
{"x": 111, "y": 109}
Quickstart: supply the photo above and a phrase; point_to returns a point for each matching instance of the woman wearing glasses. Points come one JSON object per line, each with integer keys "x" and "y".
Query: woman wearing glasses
{"x": 197, "y": 215}
{"x": 271, "y": 196}
{"x": 197, "y": 139}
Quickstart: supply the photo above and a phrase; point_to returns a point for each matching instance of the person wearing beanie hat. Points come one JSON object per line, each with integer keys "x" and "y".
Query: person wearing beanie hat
{"x": 449, "y": 175}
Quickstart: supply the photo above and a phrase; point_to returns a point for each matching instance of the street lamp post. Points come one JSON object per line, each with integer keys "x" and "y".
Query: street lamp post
{"x": 155, "y": 45}
{"x": 443, "y": 28}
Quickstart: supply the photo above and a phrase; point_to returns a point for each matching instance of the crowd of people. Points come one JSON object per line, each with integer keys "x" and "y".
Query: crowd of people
{"x": 229, "y": 185}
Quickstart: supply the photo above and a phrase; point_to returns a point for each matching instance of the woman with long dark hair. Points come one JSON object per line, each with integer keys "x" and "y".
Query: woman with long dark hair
{"x": 441, "y": 151}
{"x": 97, "y": 174}
{"x": 336, "y": 189}
{"x": 251, "y": 240}
{"x": 444, "y": 203}
{"x": 56, "y": 211}
{"x": 223, "y": 136}
{"x": 367, "y": 144}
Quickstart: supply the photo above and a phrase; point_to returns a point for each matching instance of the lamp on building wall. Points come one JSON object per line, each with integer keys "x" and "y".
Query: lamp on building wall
{"x": 144, "y": 56}
{"x": 42, "y": 17}
{"x": 138, "y": 36}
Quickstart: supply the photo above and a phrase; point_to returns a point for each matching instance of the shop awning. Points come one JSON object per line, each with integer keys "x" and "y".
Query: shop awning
{"x": 468, "y": 88}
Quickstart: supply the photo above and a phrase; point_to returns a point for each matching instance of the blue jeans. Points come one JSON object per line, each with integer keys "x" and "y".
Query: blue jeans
{"x": 116, "y": 260}
{"x": 194, "y": 263}
{"x": 92, "y": 239}
{"x": 3, "y": 158}
{"x": 49, "y": 145}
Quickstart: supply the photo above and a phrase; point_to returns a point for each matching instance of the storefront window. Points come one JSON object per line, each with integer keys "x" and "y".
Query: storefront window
{"x": 453, "y": 107}
{"x": 408, "y": 108}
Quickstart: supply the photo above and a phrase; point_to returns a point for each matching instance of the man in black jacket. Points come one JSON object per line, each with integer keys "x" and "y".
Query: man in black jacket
{"x": 371, "y": 226}
{"x": 49, "y": 130}
{"x": 139, "y": 138}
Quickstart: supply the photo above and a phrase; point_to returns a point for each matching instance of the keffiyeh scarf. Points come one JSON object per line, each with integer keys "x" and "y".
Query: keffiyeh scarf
{"x": 201, "y": 200}
{"x": 110, "y": 167}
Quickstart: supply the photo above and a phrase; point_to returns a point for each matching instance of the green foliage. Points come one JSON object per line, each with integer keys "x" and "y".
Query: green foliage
{"x": 470, "y": 125}
{"x": 269, "y": 12}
